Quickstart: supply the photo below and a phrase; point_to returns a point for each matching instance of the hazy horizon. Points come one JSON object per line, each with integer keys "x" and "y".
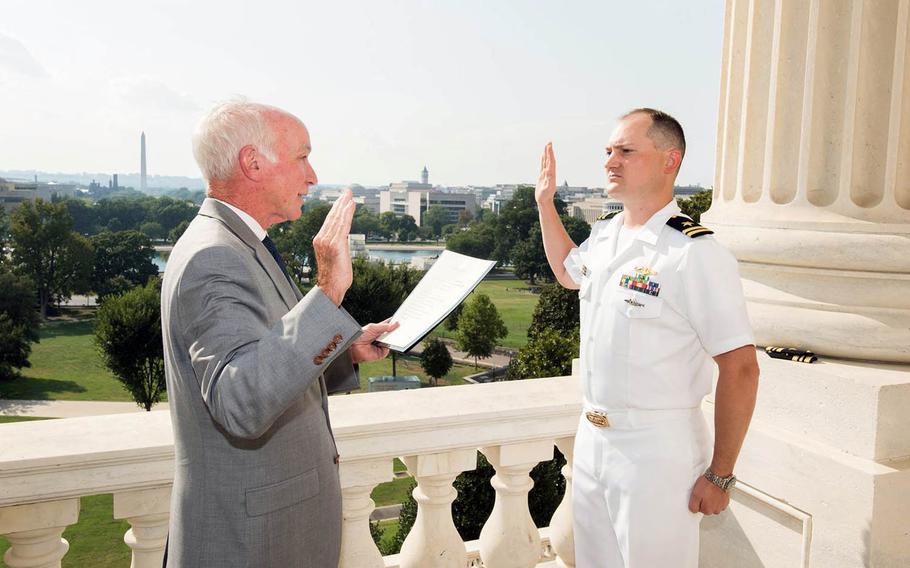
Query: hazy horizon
{"x": 473, "y": 90}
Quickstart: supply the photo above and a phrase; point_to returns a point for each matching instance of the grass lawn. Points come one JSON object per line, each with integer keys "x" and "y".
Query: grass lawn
{"x": 392, "y": 492}
{"x": 389, "y": 531}
{"x": 5, "y": 419}
{"x": 66, "y": 365}
{"x": 515, "y": 302}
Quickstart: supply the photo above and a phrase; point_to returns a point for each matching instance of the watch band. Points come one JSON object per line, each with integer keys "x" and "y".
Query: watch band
{"x": 724, "y": 483}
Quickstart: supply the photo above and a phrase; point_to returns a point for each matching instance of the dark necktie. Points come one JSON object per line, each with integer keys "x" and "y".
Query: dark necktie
{"x": 273, "y": 250}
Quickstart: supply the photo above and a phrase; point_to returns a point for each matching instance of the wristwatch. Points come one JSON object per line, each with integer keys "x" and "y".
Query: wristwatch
{"x": 725, "y": 483}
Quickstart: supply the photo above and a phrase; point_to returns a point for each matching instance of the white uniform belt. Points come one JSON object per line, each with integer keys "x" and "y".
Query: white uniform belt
{"x": 635, "y": 417}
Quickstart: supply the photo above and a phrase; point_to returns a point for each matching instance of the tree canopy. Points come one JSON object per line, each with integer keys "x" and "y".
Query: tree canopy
{"x": 128, "y": 337}
{"x": 480, "y": 327}
{"x": 19, "y": 323}
{"x": 49, "y": 252}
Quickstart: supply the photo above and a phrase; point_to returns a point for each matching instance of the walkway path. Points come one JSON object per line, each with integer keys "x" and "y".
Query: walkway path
{"x": 69, "y": 408}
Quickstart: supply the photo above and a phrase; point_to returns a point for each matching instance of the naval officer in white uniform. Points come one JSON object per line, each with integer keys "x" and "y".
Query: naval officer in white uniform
{"x": 661, "y": 304}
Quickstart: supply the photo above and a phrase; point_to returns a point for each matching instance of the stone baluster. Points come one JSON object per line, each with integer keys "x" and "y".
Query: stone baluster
{"x": 148, "y": 512}
{"x": 433, "y": 541}
{"x": 562, "y": 532}
{"x": 35, "y": 532}
{"x": 358, "y": 479}
{"x": 509, "y": 538}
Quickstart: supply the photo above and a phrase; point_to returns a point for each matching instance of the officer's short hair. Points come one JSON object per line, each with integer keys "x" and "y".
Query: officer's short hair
{"x": 665, "y": 130}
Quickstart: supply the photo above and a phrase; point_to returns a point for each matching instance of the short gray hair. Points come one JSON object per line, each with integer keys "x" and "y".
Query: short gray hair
{"x": 225, "y": 130}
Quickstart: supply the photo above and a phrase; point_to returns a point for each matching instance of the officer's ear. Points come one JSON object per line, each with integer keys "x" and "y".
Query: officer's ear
{"x": 672, "y": 161}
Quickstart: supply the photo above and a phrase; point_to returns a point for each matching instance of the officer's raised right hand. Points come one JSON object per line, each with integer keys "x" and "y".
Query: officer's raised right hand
{"x": 333, "y": 254}
{"x": 546, "y": 181}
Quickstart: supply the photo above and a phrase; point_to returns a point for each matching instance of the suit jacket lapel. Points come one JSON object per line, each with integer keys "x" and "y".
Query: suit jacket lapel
{"x": 215, "y": 210}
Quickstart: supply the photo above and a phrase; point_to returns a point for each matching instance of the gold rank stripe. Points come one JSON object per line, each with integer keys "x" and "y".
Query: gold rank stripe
{"x": 696, "y": 230}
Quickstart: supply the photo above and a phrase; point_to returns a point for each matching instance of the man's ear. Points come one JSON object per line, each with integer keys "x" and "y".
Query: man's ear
{"x": 672, "y": 161}
{"x": 250, "y": 163}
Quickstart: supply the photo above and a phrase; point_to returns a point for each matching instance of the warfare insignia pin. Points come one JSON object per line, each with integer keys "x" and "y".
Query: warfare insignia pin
{"x": 633, "y": 303}
{"x": 647, "y": 271}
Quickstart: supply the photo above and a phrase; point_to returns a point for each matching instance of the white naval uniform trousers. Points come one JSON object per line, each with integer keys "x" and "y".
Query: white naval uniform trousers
{"x": 652, "y": 317}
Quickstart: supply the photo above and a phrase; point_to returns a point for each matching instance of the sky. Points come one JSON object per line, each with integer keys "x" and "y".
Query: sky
{"x": 473, "y": 89}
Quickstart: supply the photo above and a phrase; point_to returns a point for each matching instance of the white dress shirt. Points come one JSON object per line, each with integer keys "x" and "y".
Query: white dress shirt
{"x": 654, "y": 313}
{"x": 253, "y": 224}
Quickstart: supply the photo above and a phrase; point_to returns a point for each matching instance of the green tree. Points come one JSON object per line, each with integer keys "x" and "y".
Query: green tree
{"x": 451, "y": 322}
{"x": 19, "y": 323}
{"x": 434, "y": 218}
{"x": 153, "y": 230}
{"x": 480, "y": 327}
{"x": 695, "y": 205}
{"x": 46, "y": 249}
{"x": 174, "y": 234}
{"x": 378, "y": 289}
{"x": 4, "y": 235}
{"x": 294, "y": 240}
{"x": 516, "y": 219}
{"x": 435, "y": 359}
{"x": 407, "y": 229}
{"x": 529, "y": 256}
{"x": 478, "y": 241}
{"x": 128, "y": 337}
{"x": 388, "y": 224}
{"x": 548, "y": 354}
{"x": 85, "y": 218}
{"x": 557, "y": 309}
{"x": 365, "y": 222}
{"x": 122, "y": 261}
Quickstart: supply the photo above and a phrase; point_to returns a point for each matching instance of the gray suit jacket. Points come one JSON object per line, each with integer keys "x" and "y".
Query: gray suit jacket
{"x": 249, "y": 362}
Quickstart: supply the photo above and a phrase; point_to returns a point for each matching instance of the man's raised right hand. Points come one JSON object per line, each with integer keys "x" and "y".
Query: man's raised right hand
{"x": 333, "y": 254}
{"x": 546, "y": 181}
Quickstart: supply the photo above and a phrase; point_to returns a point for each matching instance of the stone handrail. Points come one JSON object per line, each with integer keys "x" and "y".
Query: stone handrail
{"x": 46, "y": 466}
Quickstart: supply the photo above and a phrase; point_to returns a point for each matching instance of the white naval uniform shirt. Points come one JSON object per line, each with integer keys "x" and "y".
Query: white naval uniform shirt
{"x": 653, "y": 349}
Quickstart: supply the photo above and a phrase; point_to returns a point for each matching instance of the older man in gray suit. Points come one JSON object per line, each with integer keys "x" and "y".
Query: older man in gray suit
{"x": 250, "y": 360}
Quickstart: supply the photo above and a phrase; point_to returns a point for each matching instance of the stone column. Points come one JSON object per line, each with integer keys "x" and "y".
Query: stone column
{"x": 148, "y": 513}
{"x": 509, "y": 538}
{"x": 358, "y": 479}
{"x": 812, "y": 180}
{"x": 433, "y": 541}
{"x": 812, "y": 195}
{"x": 562, "y": 532}
{"x": 34, "y": 532}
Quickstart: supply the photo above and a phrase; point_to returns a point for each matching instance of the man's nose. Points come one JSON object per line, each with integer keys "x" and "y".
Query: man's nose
{"x": 311, "y": 175}
{"x": 612, "y": 161}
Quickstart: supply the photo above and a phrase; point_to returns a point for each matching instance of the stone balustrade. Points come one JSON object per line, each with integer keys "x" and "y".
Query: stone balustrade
{"x": 45, "y": 467}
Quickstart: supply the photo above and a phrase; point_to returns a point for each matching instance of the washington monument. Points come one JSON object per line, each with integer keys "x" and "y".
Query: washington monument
{"x": 142, "y": 184}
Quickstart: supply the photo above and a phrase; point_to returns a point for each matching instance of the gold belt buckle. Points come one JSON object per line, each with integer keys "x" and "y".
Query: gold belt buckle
{"x": 598, "y": 419}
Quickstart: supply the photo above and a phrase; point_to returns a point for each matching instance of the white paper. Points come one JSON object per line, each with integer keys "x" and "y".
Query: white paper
{"x": 452, "y": 277}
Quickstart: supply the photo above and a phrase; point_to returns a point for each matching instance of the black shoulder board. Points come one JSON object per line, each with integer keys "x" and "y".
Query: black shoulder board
{"x": 688, "y": 227}
{"x": 606, "y": 216}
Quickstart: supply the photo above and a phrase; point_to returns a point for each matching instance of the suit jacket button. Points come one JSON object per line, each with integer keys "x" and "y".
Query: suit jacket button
{"x": 337, "y": 338}
{"x": 336, "y": 458}
{"x": 318, "y": 360}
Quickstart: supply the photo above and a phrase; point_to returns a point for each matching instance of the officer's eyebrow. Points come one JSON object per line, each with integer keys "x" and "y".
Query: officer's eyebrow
{"x": 305, "y": 148}
{"x": 619, "y": 145}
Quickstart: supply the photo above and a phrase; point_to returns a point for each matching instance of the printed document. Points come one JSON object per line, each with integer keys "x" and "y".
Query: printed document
{"x": 451, "y": 278}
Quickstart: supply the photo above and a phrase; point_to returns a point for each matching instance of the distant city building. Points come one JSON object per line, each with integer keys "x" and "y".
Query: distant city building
{"x": 688, "y": 190}
{"x": 413, "y": 198}
{"x": 593, "y": 207}
{"x": 142, "y": 172}
{"x": 366, "y": 196}
{"x": 14, "y": 192}
{"x": 357, "y": 244}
